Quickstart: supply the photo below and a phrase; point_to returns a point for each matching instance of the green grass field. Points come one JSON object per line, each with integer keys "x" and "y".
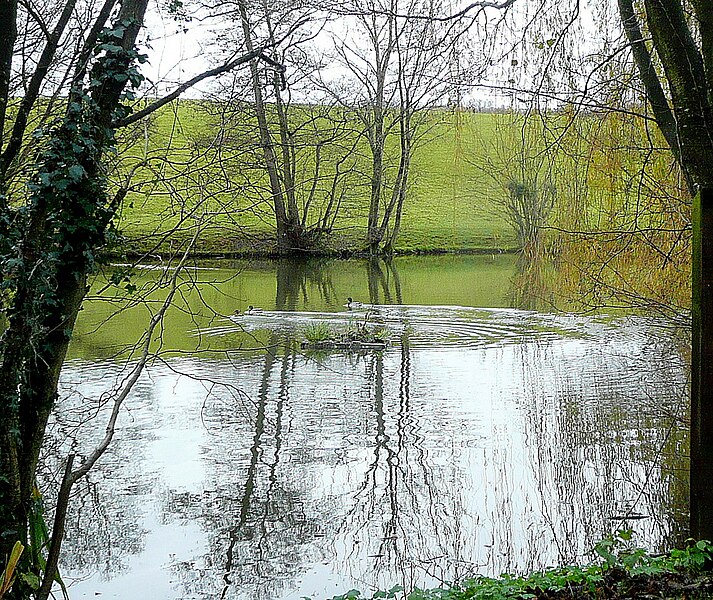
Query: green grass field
{"x": 190, "y": 178}
{"x": 196, "y": 167}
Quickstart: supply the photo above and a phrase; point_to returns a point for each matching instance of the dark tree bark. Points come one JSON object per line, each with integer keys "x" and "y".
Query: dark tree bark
{"x": 649, "y": 77}
{"x": 58, "y": 235}
{"x": 8, "y": 19}
{"x": 686, "y": 76}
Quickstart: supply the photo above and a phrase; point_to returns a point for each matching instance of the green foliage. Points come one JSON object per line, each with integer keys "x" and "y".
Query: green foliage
{"x": 697, "y": 556}
{"x": 356, "y": 331}
{"x": 34, "y": 565}
{"x": 357, "y": 595}
{"x": 362, "y": 331}
{"x": 122, "y": 277}
{"x": 618, "y": 552}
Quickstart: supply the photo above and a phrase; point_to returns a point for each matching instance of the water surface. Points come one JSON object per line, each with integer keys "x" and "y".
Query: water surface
{"x": 484, "y": 439}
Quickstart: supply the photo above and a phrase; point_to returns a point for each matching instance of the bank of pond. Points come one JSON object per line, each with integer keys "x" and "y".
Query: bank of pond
{"x": 622, "y": 571}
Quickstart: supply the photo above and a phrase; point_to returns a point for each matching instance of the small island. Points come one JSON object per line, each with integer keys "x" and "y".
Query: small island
{"x": 356, "y": 337}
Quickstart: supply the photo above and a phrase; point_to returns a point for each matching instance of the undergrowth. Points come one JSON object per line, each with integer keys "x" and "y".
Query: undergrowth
{"x": 356, "y": 331}
{"x": 621, "y": 571}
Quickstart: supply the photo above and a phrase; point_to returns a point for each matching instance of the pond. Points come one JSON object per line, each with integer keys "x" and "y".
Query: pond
{"x": 484, "y": 438}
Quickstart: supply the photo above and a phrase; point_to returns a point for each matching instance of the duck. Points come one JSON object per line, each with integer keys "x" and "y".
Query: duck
{"x": 252, "y": 310}
{"x": 351, "y": 304}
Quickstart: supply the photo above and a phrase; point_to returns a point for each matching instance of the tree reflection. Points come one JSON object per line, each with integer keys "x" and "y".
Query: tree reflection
{"x": 383, "y": 281}
{"x": 478, "y": 441}
{"x": 300, "y": 279}
{"x": 530, "y": 287}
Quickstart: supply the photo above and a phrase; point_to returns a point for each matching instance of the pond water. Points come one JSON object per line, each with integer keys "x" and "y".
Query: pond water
{"x": 484, "y": 439}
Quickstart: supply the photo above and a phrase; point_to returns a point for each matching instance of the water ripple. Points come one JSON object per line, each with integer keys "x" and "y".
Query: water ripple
{"x": 445, "y": 326}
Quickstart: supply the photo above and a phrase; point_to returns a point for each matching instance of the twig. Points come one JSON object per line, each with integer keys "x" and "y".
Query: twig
{"x": 60, "y": 517}
{"x": 70, "y": 476}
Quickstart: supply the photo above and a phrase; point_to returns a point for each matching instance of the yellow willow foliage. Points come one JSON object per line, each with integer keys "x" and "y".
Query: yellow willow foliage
{"x": 622, "y": 234}
{"x": 7, "y": 577}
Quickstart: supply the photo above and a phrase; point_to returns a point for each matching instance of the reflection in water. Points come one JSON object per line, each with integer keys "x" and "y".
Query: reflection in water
{"x": 479, "y": 441}
{"x": 384, "y": 282}
{"x": 107, "y": 327}
{"x": 529, "y": 288}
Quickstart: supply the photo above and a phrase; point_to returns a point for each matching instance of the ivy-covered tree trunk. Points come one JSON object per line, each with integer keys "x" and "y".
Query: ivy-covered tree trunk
{"x": 48, "y": 252}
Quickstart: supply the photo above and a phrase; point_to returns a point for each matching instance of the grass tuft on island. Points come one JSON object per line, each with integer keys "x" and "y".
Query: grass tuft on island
{"x": 622, "y": 572}
{"x": 359, "y": 335}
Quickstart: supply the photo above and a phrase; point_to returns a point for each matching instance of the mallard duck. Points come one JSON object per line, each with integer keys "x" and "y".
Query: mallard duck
{"x": 351, "y": 304}
{"x": 252, "y": 310}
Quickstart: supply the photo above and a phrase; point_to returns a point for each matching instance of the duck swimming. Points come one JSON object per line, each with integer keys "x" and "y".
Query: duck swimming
{"x": 252, "y": 310}
{"x": 351, "y": 304}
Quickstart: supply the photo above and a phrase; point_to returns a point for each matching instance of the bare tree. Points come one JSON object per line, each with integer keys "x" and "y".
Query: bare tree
{"x": 306, "y": 149}
{"x": 398, "y": 57}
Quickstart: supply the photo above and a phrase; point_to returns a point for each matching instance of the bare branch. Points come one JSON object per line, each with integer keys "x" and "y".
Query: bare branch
{"x": 136, "y": 371}
{"x": 229, "y": 66}
{"x": 479, "y": 6}
{"x": 60, "y": 516}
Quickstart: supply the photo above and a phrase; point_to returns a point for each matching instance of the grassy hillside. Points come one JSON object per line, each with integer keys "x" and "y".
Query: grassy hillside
{"x": 191, "y": 173}
{"x": 196, "y": 166}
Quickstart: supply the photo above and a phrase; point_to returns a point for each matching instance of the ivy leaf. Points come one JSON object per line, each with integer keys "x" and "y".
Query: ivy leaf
{"x": 76, "y": 172}
{"x": 111, "y": 47}
{"x": 117, "y": 32}
{"x": 31, "y": 580}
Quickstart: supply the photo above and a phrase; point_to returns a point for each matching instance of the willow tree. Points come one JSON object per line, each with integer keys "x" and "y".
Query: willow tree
{"x": 666, "y": 79}
{"x": 671, "y": 45}
{"x": 77, "y": 64}
{"x": 682, "y": 44}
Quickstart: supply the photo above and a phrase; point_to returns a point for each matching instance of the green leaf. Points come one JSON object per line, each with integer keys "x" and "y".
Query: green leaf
{"x": 31, "y": 580}
{"x": 76, "y": 172}
{"x": 625, "y": 534}
{"x": 110, "y": 48}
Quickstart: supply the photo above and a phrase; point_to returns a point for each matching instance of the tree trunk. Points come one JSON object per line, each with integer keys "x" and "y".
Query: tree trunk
{"x": 690, "y": 81}
{"x": 377, "y": 181}
{"x": 284, "y": 243}
{"x": 649, "y": 77}
{"x": 701, "y": 521}
{"x": 683, "y": 66}
{"x": 8, "y": 18}
{"x": 62, "y": 228}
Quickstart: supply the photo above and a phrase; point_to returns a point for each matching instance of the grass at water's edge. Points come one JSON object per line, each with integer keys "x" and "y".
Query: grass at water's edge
{"x": 622, "y": 572}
